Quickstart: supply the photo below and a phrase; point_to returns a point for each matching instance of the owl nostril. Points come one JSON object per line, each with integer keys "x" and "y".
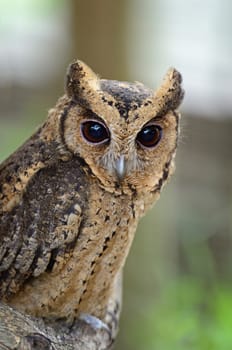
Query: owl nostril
{"x": 120, "y": 167}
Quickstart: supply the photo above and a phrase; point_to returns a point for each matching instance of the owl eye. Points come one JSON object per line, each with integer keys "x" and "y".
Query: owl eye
{"x": 150, "y": 135}
{"x": 95, "y": 132}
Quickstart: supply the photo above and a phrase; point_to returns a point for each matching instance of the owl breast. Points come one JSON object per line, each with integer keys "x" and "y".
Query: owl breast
{"x": 85, "y": 281}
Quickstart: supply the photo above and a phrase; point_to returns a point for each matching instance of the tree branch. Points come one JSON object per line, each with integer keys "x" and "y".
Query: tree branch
{"x": 21, "y": 332}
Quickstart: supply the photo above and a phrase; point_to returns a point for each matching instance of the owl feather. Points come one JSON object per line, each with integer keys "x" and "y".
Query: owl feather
{"x": 72, "y": 195}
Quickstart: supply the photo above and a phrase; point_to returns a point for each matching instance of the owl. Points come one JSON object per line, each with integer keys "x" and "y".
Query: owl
{"x": 72, "y": 195}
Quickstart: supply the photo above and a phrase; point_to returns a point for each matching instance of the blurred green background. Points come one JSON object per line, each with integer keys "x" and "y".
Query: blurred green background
{"x": 178, "y": 278}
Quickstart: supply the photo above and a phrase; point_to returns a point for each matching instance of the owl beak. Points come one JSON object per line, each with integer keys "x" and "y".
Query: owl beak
{"x": 120, "y": 167}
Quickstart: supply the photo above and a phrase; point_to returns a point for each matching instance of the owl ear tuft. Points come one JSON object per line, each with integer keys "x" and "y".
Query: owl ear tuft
{"x": 170, "y": 93}
{"x": 81, "y": 81}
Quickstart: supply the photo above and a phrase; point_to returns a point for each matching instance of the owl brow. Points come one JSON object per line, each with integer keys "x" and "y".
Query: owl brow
{"x": 160, "y": 117}
{"x": 162, "y": 113}
{"x": 91, "y": 115}
{"x": 157, "y": 118}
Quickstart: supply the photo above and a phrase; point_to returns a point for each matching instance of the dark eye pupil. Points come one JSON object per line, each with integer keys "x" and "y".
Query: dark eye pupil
{"x": 150, "y": 135}
{"x": 94, "y": 132}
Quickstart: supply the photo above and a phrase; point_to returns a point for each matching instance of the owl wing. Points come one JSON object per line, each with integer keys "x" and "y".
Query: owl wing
{"x": 41, "y": 232}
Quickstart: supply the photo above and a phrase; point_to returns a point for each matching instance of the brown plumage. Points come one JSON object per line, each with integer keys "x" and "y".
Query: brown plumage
{"x": 72, "y": 195}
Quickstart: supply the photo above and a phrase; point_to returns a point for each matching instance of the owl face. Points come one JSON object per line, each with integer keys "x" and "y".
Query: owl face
{"x": 126, "y": 133}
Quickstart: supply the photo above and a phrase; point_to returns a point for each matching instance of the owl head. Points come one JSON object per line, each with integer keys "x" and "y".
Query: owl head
{"x": 125, "y": 132}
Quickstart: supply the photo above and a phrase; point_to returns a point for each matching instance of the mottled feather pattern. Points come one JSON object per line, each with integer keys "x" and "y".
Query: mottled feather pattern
{"x": 70, "y": 205}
